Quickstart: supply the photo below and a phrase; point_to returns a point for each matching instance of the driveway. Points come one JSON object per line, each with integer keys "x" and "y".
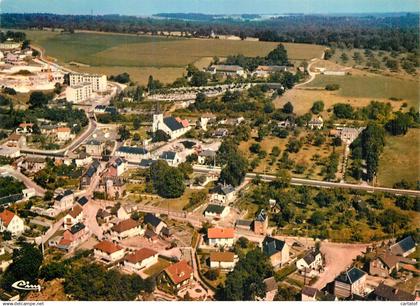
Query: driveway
{"x": 90, "y": 210}
{"x": 338, "y": 257}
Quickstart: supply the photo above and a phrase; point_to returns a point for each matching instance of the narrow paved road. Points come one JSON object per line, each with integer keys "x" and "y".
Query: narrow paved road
{"x": 323, "y": 184}
{"x": 24, "y": 179}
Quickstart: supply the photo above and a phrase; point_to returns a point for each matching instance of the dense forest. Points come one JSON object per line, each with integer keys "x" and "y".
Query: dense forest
{"x": 398, "y": 33}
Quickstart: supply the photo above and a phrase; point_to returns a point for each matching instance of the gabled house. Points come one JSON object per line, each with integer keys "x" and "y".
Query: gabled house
{"x": 316, "y": 123}
{"x": 224, "y": 194}
{"x": 154, "y": 223}
{"x": 178, "y": 275}
{"x": 216, "y": 211}
{"x": 223, "y": 260}
{"x": 91, "y": 173}
{"x": 94, "y": 147}
{"x": 117, "y": 167}
{"x": 75, "y": 215}
{"x": 404, "y": 247}
{"x": 103, "y": 216}
{"x": 384, "y": 264}
{"x": 309, "y": 294}
{"x": 221, "y": 236}
{"x": 228, "y": 70}
{"x": 11, "y": 222}
{"x": 351, "y": 282}
{"x": 141, "y": 259}
{"x": 133, "y": 154}
{"x": 64, "y": 200}
{"x": 265, "y": 71}
{"x": 312, "y": 260}
{"x": 171, "y": 157}
{"x": 108, "y": 251}
{"x": 271, "y": 288}
{"x": 63, "y": 134}
{"x": 73, "y": 236}
{"x": 82, "y": 201}
{"x": 113, "y": 186}
{"x": 33, "y": 164}
{"x": 206, "y": 156}
{"x": 261, "y": 223}
{"x": 277, "y": 250}
{"x": 125, "y": 229}
{"x": 386, "y": 293}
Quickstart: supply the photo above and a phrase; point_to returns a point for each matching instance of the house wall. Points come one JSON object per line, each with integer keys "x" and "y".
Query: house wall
{"x": 109, "y": 257}
{"x": 16, "y": 226}
{"x": 221, "y": 241}
{"x": 222, "y": 265}
{"x": 142, "y": 264}
{"x": 129, "y": 233}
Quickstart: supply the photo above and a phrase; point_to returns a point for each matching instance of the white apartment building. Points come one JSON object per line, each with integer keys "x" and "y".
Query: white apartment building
{"x": 98, "y": 82}
{"x": 79, "y": 93}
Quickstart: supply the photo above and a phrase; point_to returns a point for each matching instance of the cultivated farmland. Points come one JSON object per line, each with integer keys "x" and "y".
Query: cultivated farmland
{"x": 119, "y": 53}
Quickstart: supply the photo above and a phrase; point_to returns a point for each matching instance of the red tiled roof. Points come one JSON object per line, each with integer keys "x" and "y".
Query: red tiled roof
{"x": 63, "y": 129}
{"x": 140, "y": 255}
{"x": 179, "y": 272}
{"x": 107, "y": 247}
{"x": 217, "y": 233}
{"x": 64, "y": 242}
{"x": 222, "y": 256}
{"x": 6, "y": 216}
{"x": 76, "y": 210}
{"x": 125, "y": 225}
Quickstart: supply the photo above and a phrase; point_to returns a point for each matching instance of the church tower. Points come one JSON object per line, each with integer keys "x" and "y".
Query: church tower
{"x": 157, "y": 119}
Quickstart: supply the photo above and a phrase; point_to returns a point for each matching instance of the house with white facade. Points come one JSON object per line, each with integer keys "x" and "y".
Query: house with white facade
{"x": 133, "y": 154}
{"x": 223, "y": 260}
{"x": 171, "y": 157}
{"x": 126, "y": 228}
{"x": 75, "y": 215}
{"x": 64, "y": 200}
{"x": 140, "y": 259}
{"x": 10, "y": 222}
{"x": 228, "y": 70}
{"x": 224, "y": 194}
{"x": 108, "y": 251}
{"x": 312, "y": 260}
{"x": 221, "y": 236}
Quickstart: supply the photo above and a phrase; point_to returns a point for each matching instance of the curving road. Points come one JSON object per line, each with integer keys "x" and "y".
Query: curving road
{"x": 24, "y": 179}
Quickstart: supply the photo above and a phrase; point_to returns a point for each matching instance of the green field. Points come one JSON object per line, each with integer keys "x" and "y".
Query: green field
{"x": 400, "y": 159}
{"x": 140, "y": 54}
{"x": 371, "y": 86}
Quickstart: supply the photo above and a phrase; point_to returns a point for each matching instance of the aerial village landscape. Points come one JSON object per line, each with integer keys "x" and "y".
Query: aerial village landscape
{"x": 257, "y": 170}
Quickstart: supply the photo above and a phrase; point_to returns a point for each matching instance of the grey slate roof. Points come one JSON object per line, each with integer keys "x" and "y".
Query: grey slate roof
{"x": 272, "y": 245}
{"x": 93, "y": 142}
{"x": 392, "y": 294}
{"x": 152, "y": 220}
{"x": 172, "y": 123}
{"x": 261, "y": 216}
{"x": 215, "y": 209}
{"x": 82, "y": 201}
{"x": 64, "y": 194}
{"x": 403, "y": 245}
{"x": 169, "y": 155}
{"x": 146, "y": 163}
{"x": 223, "y": 189}
{"x": 310, "y": 257}
{"x": 77, "y": 228}
{"x": 243, "y": 223}
{"x": 132, "y": 150}
{"x": 351, "y": 276}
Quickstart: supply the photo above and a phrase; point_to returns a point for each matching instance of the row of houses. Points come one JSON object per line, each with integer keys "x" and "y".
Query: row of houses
{"x": 262, "y": 71}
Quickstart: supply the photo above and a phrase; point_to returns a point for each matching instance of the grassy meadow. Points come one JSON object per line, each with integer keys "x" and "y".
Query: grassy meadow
{"x": 371, "y": 86}
{"x": 400, "y": 159}
{"x": 163, "y": 57}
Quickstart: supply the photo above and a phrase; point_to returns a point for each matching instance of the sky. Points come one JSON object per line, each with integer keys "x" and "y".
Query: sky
{"x": 149, "y": 7}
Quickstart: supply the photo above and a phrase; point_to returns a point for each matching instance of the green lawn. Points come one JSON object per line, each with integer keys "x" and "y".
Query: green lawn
{"x": 371, "y": 86}
{"x": 400, "y": 159}
{"x": 157, "y": 267}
